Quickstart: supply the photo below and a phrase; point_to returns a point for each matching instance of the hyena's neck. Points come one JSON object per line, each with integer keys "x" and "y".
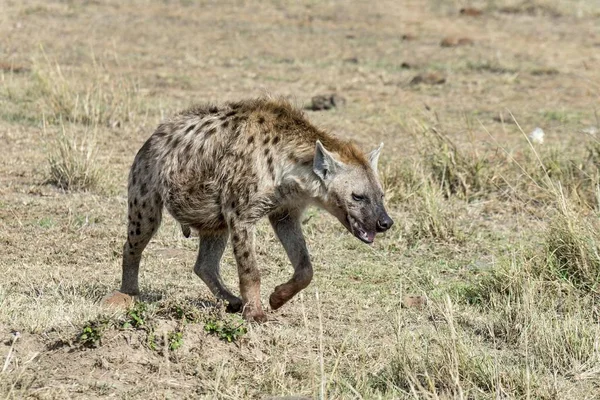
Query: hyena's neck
{"x": 298, "y": 181}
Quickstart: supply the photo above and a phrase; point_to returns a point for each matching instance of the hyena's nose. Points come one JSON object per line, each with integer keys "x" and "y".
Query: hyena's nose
{"x": 384, "y": 223}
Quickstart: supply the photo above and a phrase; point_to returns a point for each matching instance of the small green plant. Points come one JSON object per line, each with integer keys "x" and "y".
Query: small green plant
{"x": 91, "y": 334}
{"x": 229, "y": 330}
{"x": 136, "y": 316}
{"x": 46, "y": 222}
{"x": 183, "y": 312}
{"x": 175, "y": 340}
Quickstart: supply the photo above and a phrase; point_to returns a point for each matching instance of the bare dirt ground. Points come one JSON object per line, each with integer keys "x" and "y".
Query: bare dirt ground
{"x": 497, "y": 235}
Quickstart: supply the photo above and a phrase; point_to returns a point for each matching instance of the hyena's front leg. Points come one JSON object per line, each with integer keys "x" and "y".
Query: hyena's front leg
{"x": 243, "y": 249}
{"x": 288, "y": 230}
{"x": 207, "y": 268}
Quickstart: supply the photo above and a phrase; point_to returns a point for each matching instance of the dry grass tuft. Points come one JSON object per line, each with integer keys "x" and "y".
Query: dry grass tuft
{"x": 434, "y": 218}
{"x": 72, "y": 161}
{"x": 103, "y": 99}
{"x": 458, "y": 172}
{"x": 573, "y": 246}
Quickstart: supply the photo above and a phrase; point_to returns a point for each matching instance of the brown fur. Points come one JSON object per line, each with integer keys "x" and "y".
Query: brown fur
{"x": 218, "y": 169}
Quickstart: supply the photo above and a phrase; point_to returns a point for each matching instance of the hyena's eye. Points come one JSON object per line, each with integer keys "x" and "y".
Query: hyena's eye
{"x": 358, "y": 197}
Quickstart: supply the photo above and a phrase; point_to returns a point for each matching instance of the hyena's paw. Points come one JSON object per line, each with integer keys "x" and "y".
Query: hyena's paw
{"x": 281, "y": 295}
{"x": 117, "y": 299}
{"x": 276, "y": 301}
{"x": 234, "y": 305}
{"x": 254, "y": 316}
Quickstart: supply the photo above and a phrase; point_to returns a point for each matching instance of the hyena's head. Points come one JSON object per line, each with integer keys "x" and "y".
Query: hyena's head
{"x": 353, "y": 193}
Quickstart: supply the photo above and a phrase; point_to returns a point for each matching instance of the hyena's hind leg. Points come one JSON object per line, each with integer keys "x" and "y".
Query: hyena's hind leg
{"x": 207, "y": 268}
{"x": 288, "y": 229}
{"x": 145, "y": 213}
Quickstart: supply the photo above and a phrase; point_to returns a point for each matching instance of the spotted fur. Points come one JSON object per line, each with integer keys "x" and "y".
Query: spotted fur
{"x": 219, "y": 169}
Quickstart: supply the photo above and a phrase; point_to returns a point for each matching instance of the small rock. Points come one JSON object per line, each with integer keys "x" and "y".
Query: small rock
{"x": 326, "y": 102}
{"x": 414, "y": 301}
{"x": 405, "y": 65}
{"x": 351, "y": 60}
{"x": 408, "y": 37}
{"x": 13, "y": 68}
{"x": 452, "y": 41}
{"x": 118, "y": 300}
{"x": 432, "y": 78}
{"x": 590, "y": 130}
{"x": 471, "y": 11}
{"x": 537, "y": 136}
{"x": 549, "y": 71}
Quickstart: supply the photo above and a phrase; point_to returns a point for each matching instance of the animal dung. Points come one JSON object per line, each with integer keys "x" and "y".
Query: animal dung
{"x": 432, "y": 78}
{"x": 326, "y": 102}
{"x": 414, "y": 301}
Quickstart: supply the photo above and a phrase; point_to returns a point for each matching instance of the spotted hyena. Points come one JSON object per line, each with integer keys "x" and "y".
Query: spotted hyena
{"x": 219, "y": 169}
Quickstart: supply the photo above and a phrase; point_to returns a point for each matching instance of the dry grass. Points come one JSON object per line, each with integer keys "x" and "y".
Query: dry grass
{"x": 72, "y": 161}
{"x": 499, "y": 234}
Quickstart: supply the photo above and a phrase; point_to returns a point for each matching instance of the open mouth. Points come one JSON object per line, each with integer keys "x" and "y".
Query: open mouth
{"x": 360, "y": 232}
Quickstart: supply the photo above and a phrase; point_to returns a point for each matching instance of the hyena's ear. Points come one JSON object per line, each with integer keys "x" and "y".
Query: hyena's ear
{"x": 374, "y": 157}
{"x": 324, "y": 165}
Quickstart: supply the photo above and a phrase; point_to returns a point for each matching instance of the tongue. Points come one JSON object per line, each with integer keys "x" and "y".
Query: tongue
{"x": 371, "y": 236}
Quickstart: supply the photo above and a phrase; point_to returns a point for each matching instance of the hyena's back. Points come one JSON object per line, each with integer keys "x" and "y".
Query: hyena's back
{"x": 210, "y": 160}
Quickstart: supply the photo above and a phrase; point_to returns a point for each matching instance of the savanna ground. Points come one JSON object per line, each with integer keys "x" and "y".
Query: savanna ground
{"x": 498, "y": 234}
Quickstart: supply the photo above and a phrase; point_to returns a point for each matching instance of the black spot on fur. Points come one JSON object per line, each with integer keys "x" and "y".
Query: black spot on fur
{"x": 246, "y": 254}
{"x": 130, "y": 204}
{"x": 129, "y": 217}
{"x": 135, "y": 202}
{"x": 145, "y": 149}
{"x": 267, "y": 152}
{"x": 251, "y": 140}
{"x": 144, "y": 189}
{"x": 266, "y": 141}
{"x": 225, "y": 124}
{"x": 131, "y": 233}
{"x": 211, "y": 131}
{"x": 144, "y": 204}
{"x": 133, "y": 179}
{"x": 261, "y": 120}
{"x": 213, "y": 109}
{"x": 139, "y": 215}
{"x": 270, "y": 160}
{"x": 236, "y": 238}
{"x": 138, "y": 231}
{"x": 176, "y": 142}
{"x": 276, "y": 140}
{"x": 138, "y": 224}
{"x": 151, "y": 220}
{"x": 169, "y": 139}
{"x": 131, "y": 252}
{"x": 189, "y": 129}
